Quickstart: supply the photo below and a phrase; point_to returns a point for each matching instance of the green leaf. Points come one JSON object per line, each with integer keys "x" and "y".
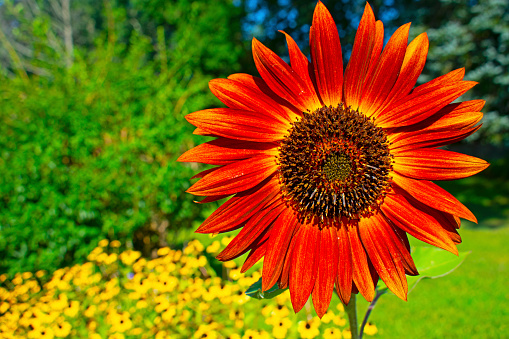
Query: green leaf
{"x": 432, "y": 263}
{"x": 255, "y": 291}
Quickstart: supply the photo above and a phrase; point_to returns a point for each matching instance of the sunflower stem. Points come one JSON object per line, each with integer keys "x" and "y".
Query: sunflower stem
{"x": 351, "y": 310}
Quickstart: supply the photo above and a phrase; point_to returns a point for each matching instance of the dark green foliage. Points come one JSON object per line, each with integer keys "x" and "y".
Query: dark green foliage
{"x": 90, "y": 151}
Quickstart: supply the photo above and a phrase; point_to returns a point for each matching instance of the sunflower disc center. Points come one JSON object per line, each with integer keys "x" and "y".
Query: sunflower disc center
{"x": 337, "y": 167}
{"x": 334, "y": 163}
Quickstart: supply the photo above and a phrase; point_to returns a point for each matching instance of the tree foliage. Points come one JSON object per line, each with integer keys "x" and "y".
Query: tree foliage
{"x": 89, "y": 149}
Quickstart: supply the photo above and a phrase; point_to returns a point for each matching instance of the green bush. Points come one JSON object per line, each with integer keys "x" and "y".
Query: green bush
{"x": 89, "y": 152}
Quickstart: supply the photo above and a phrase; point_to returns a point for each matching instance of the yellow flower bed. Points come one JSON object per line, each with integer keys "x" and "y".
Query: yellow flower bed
{"x": 176, "y": 295}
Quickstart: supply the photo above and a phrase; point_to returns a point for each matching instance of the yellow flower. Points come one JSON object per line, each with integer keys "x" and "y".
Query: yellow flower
{"x": 41, "y": 333}
{"x": 162, "y": 335}
{"x": 103, "y": 243}
{"x": 163, "y": 251}
{"x": 230, "y": 264}
{"x": 90, "y": 311}
{"x": 62, "y": 329}
{"x": 168, "y": 315}
{"x": 347, "y": 334}
{"x": 129, "y": 257}
{"x": 115, "y": 243}
{"x": 214, "y": 247}
{"x": 281, "y": 327}
{"x": 162, "y": 303}
{"x": 94, "y": 336}
{"x": 205, "y": 331}
{"x": 92, "y": 325}
{"x": 40, "y": 274}
{"x": 4, "y": 307}
{"x": 26, "y": 275}
{"x": 370, "y": 329}
{"x": 309, "y": 329}
{"x": 253, "y": 334}
{"x": 332, "y": 333}
{"x": 120, "y": 322}
{"x": 116, "y": 336}
{"x": 72, "y": 310}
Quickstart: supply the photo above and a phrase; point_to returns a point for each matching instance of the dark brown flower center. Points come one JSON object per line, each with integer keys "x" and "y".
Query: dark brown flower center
{"x": 334, "y": 163}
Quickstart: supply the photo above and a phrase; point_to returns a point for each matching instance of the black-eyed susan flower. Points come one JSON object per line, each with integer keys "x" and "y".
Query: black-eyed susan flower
{"x": 309, "y": 329}
{"x": 330, "y": 168}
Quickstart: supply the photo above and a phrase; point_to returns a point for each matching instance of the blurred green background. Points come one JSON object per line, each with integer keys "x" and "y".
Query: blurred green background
{"x": 93, "y": 96}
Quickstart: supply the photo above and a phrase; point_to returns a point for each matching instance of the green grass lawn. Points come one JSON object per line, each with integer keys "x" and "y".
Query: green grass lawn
{"x": 471, "y": 302}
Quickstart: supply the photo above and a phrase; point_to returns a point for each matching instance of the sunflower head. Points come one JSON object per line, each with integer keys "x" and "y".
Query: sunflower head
{"x": 328, "y": 169}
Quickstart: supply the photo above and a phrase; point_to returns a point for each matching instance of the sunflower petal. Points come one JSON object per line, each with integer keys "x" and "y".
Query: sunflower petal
{"x": 303, "y": 271}
{"x": 281, "y": 79}
{"x": 418, "y": 106}
{"x": 281, "y": 234}
{"x": 241, "y": 207}
{"x": 358, "y": 65}
{"x": 236, "y": 95}
{"x": 326, "y": 56}
{"x": 377, "y": 88}
{"x": 256, "y": 226}
{"x": 434, "y": 196}
{"x": 413, "y": 63}
{"x": 361, "y": 273}
{"x": 238, "y": 124}
{"x": 383, "y": 254}
{"x": 254, "y": 256}
{"x": 437, "y": 164}
{"x": 401, "y": 210}
{"x": 300, "y": 64}
{"x": 344, "y": 276}
{"x": 224, "y": 151}
{"x": 327, "y": 270}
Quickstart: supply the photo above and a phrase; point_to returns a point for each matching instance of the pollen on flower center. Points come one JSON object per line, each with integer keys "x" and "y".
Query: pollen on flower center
{"x": 334, "y": 163}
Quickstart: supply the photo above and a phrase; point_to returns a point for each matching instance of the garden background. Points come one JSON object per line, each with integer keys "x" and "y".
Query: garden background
{"x": 93, "y": 96}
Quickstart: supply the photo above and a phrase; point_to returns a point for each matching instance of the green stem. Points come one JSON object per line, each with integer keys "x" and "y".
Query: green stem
{"x": 351, "y": 310}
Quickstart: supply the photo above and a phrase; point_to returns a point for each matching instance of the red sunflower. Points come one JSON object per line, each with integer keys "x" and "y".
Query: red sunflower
{"x": 330, "y": 170}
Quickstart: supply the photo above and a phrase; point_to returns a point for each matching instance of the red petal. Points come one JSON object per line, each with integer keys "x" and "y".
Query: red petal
{"x": 258, "y": 85}
{"x": 459, "y": 115}
{"x": 284, "y": 278}
{"x": 344, "y": 276}
{"x": 282, "y": 232}
{"x": 400, "y": 240}
{"x": 303, "y": 271}
{"x": 420, "y": 105}
{"x": 413, "y": 63}
{"x": 241, "y": 207}
{"x": 282, "y": 79}
{"x": 437, "y": 164}
{"x": 376, "y": 52}
{"x": 433, "y": 196}
{"x": 205, "y": 172}
{"x": 257, "y": 225}
{"x": 239, "y": 124}
{"x": 223, "y": 151}
{"x": 236, "y": 94}
{"x": 254, "y": 256}
{"x": 211, "y": 198}
{"x": 361, "y": 272}
{"x": 402, "y": 212}
{"x": 327, "y": 270}
{"x": 235, "y": 177}
{"x": 425, "y": 138}
{"x": 358, "y": 65}
{"x": 451, "y": 77}
{"x": 377, "y": 88}
{"x": 300, "y": 64}
{"x": 326, "y": 56}
{"x": 376, "y": 237}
